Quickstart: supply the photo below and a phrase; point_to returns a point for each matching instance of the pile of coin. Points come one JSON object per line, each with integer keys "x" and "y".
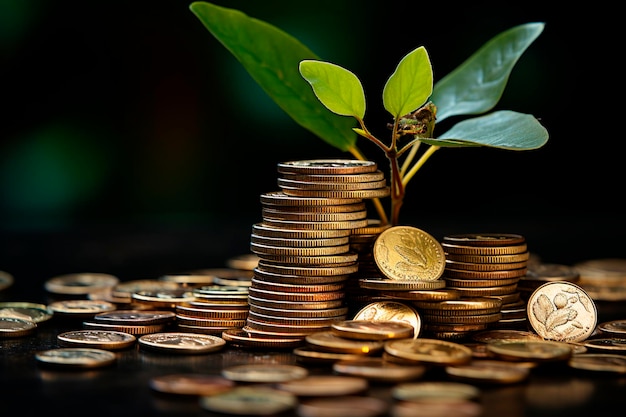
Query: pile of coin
{"x": 303, "y": 245}
{"x": 489, "y": 265}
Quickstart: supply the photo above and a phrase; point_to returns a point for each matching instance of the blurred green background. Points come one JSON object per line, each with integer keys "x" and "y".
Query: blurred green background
{"x": 121, "y": 115}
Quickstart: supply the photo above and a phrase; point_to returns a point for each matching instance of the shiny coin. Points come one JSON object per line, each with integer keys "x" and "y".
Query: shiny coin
{"x": 80, "y": 308}
{"x": 378, "y": 369}
{"x": 531, "y": 350}
{"x": 6, "y": 280}
{"x": 80, "y": 283}
{"x": 180, "y": 342}
{"x": 136, "y": 317}
{"x": 602, "y": 362}
{"x": 127, "y": 288}
{"x": 489, "y": 371}
{"x": 191, "y": 384}
{"x": 268, "y": 373}
{"x": 485, "y": 239}
{"x": 327, "y": 167}
{"x": 311, "y": 354}
{"x": 348, "y": 406}
{"x": 442, "y": 294}
{"x": 325, "y": 385}
{"x": 99, "y": 339}
{"x": 262, "y": 340}
{"x": 391, "y": 311}
{"x": 562, "y": 311}
{"x": 608, "y": 344}
{"x": 35, "y": 312}
{"x": 373, "y": 330}
{"x": 429, "y": 351}
{"x": 136, "y": 330}
{"x": 16, "y": 327}
{"x": 616, "y": 327}
{"x": 434, "y": 391}
{"x": 250, "y": 401}
{"x": 385, "y": 284}
{"x": 331, "y": 342}
{"x": 408, "y": 253}
{"x": 496, "y": 335}
{"x": 164, "y": 298}
{"x": 76, "y": 357}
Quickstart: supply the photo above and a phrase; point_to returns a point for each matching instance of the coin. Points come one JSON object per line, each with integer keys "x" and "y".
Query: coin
{"x": 311, "y": 354}
{"x": 100, "y": 339}
{"x": 76, "y": 357}
{"x": 602, "y": 362}
{"x": 268, "y": 373}
{"x": 191, "y": 384}
{"x": 459, "y": 408}
{"x": 488, "y": 371}
{"x": 530, "y": 350}
{"x": 136, "y": 317}
{"x": 80, "y": 283}
{"x": 379, "y": 370}
{"x": 331, "y": 342}
{"x": 35, "y": 312}
{"x": 327, "y": 167}
{"x": 6, "y": 280}
{"x": 250, "y": 400}
{"x": 616, "y": 327}
{"x": 408, "y": 253}
{"x": 562, "y": 311}
{"x": 391, "y": 311}
{"x": 247, "y": 339}
{"x": 429, "y": 351}
{"x": 16, "y": 327}
{"x": 608, "y": 344}
{"x": 325, "y": 385}
{"x": 181, "y": 342}
{"x": 347, "y": 406}
{"x": 485, "y": 239}
{"x": 80, "y": 308}
{"x": 434, "y": 391}
{"x": 373, "y": 330}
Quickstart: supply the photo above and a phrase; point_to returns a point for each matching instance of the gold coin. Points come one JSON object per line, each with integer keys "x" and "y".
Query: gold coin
{"x": 405, "y": 285}
{"x": 612, "y": 344}
{"x": 277, "y": 231}
{"x": 34, "y": 312}
{"x": 279, "y": 198}
{"x": 331, "y": 342}
{"x": 485, "y": 266}
{"x": 315, "y": 225}
{"x": 469, "y": 274}
{"x": 136, "y": 330}
{"x": 182, "y": 342}
{"x": 408, "y": 253}
{"x": 379, "y": 370}
{"x": 489, "y": 371}
{"x": 343, "y": 194}
{"x": 299, "y": 243}
{"x": 315, "y": 304}
{"x": 615, "y": 327}
{"x": 327, "y": 166}
{"x": 442, "y": 294}
{"x": 451, "y": 248}
{"x": 16, "y": 327}
{"x": 260, "y": 372}
{"x": 261, "y": 340}
{"x": 310, "y": 354}
{"x": 391, "y": 311}
{"x": 309, "y": 270}
{"x": 434, "y": 391}
{"x": 485, "y": 291}
{"x": 485, "y": 239}
{"x": 373, "y": 330}
{"x": 76, "y": 357}
{"x": 346, "y": 178}
{"x": 429, "y": 351}
{"x": 262, "y": 250}
{"x": 266, "y": 276}
{"x": 80, "y": 283}
{"x": 464, "y": 305}
{"x": 100, "y": 339}
{"x": 249, "y": 400}
{"x": 325, "y": 386}
{"x": 191, "y": 384}
{"x": 602, "y": 362}
{"x": 330, "y": 185}
{"x": 465, "y": 408}
{"x": 489, "y": 259}
{"x": 479, "y": 283}
{"x": 530, "y": 350}
{"x": 346, "y": 406}
{"x": 562, "y": 311}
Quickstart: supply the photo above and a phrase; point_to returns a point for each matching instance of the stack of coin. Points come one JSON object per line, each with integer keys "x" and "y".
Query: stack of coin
{"x": 603, "y": 279}
{"x": 216, "y": 308}
{"x": 303, "y": 246}
{"x": 488, "y": 265}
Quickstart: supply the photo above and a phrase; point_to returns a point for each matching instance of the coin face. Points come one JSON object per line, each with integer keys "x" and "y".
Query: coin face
{"x": 409, "y": 253}
{"x": 180, "y": 342}
{"x": 562, "y": 311}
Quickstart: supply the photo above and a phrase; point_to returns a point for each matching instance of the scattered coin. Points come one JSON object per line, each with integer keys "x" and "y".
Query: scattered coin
{"x": 373, "y": 330}
{"x": 250, "y": 400}
{"x": 488, "y": 371}
{"x": 244, "y": 338}
{"x": 76, "y": 357}
{"x": 310, "y": 354}
{"x": 562, "y": 311}
{"x": 458, "y": 408}
{"x": 268, "y": 373}
{"x": 80, "y": 283}
{"x": 429, "y": 351}
{"x": 99, "y": 339}
{"x": 531, "y": 350}
{"x": 331, "y": 342}
{"x": 181, "y": 342}
{"x": 80, "y": 309}
{"x": 35, "y": 312}
{"x": 325, "y": 385}
{"x": 434, "y": 391}
{"x": 379, "y": 370}
{"x": 608, "y": 344}
{"x": 602, "y": 362}
{"x": 191, "y": 384}
{"x": 391, "y": 311}
{"x": 615, "y": 327}
{"x": 16, "y": 327}
{"x": 347, "y": 406}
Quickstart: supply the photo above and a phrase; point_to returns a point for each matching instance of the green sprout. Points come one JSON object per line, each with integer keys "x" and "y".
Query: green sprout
{"x": 327, "y": 99}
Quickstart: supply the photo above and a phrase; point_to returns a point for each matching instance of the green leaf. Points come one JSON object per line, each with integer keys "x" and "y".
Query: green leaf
{"x": 336, "y": 87}
{"x": 410, "y": 85}
{"x": 477, "y": 85}
{"x": 504, "y": 129}
{"x": 271, "y": 57}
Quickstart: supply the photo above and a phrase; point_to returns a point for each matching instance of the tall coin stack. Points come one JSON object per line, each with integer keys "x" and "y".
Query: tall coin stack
{"x": 302, "y": 242}
{"x": 489, "y": 265}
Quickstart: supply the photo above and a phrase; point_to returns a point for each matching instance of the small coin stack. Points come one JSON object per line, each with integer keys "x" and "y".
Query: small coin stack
{"x": 489, "y": 265}
{"x": 303, "y": 245}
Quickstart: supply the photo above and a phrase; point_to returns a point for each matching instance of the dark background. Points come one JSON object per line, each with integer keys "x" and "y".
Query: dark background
{"x": 132, "y": 142}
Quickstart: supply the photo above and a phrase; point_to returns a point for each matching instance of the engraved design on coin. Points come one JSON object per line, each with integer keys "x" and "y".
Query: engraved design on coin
{"x": 562, "y": 311}
{"x": 408, "y": 253}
